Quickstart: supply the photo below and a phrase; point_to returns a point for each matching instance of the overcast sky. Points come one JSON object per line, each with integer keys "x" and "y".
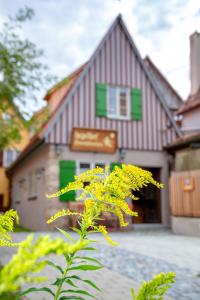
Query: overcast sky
{"x": 69, "y": 30}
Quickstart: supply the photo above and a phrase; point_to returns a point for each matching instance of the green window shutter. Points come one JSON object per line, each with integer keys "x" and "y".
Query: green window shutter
{"x": 112, "y": 165}
{"x": 101, "y": 100}
{"x": 67, "y": 172}
{"x": 136, "y": 104}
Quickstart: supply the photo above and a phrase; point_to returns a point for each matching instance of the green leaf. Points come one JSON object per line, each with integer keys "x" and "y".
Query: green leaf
{"x": 82, "y": 292}
{"x": 66, "y": 234}
{"x": 33, "y": 289}
{"x": 89, "y": 259}
{"x": 91, "y": 283}
{"x": 71, "y": 298}
{"x": 90, "y": 249}
{"x": 87, "y": 281}
{"x": 58, "y": 281}
{"x": 50, "y": 263}
{"x": 70, "y": 282}
{"x": 86, "y": 268}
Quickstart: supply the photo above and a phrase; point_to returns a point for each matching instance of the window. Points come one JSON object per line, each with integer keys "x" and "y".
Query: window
{"x": 32, "y": 186}
{"x": 85, "y": 166}
{"x": 118, "y": 102}
{"x": 9, "y": 156}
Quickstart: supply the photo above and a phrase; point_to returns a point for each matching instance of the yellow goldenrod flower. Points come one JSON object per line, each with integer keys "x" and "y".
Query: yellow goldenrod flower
{"x": 7, "y": 222}
{"x": 108, "y": 192}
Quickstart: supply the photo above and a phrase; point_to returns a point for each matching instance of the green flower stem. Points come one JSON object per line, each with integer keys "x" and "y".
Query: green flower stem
{"x": 61, "y": 283}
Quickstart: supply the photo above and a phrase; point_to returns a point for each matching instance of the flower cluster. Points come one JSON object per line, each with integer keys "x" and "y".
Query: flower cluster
{"x": 105, "y": 191}
{"x": 28, "y": 260}
{"x": 7, "y": 222}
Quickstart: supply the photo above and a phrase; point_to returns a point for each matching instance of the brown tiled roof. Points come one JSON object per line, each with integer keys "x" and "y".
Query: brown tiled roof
{"x": 68, "y": 81}
{"x": 192, "y": 102}
{"x": 184, "y": 141}
{"x": 36, "y": 139}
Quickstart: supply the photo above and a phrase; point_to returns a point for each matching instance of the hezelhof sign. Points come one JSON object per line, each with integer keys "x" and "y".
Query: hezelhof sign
{"x": 94, "y": 140}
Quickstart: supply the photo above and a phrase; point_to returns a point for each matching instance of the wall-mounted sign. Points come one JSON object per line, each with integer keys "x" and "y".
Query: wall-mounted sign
{"x": 94, "y": 140}
{"x": 188, "y": 184}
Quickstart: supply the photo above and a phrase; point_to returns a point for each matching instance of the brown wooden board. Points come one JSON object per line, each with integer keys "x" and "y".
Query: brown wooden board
{"x": 185, "y": 202}
{"x": 94, "y": 140}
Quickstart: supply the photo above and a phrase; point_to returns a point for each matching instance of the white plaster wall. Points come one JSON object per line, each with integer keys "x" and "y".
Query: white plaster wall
{"x": 32, "y": 213}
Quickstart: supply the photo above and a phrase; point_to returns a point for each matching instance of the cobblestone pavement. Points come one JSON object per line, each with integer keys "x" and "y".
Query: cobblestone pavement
{"x": 140, "y": 256}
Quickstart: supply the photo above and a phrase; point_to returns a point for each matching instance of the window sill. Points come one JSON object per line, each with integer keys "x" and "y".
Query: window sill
{"x": 119, "y": 118}
{"x": 32, "y": 198}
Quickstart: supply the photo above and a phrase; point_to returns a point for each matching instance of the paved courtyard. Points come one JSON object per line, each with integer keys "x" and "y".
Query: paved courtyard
{"x": 139, "y": 256}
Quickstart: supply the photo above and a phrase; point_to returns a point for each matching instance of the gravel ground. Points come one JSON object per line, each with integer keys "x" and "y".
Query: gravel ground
{"x": 141, "y": 267}
{"x": 143, "y": 254}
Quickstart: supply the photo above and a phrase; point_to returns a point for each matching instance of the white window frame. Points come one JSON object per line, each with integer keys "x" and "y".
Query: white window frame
{"x": 92, "y": 166}
{"x": 128, "y": 98}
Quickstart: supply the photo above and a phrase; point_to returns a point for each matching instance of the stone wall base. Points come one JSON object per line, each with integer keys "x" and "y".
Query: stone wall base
{"x": 186, "y": 226}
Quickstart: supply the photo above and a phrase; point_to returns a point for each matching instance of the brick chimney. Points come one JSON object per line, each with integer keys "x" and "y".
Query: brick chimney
{"x": 195, "y": 62}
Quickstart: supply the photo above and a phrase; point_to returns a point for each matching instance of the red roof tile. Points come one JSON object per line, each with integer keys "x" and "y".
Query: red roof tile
{"x": 192, "y": 102}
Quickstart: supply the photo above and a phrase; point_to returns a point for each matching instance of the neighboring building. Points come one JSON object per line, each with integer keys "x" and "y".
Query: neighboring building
{"x": 185, "y": 178}
{"x": 185, "y": 185}
{"x": 8, "y": 156}
{"x": 108, "y": 111}
{"x": 189, "y": 113}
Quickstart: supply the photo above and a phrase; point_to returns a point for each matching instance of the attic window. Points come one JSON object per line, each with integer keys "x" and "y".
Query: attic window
{"x": 118, "y": 104}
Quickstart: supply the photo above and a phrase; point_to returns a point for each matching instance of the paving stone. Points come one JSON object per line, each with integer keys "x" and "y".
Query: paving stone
{"x": 139, "y": 257}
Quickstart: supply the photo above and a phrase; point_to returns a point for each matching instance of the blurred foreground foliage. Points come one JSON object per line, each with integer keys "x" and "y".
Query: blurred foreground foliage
{"x": 105, "y": 192}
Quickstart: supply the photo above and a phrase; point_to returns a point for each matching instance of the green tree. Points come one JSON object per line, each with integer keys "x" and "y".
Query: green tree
{"x": 22, "y": 75}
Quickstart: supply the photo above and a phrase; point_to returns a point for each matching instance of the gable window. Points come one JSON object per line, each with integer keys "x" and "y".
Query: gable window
{"x": 118, "y": 102}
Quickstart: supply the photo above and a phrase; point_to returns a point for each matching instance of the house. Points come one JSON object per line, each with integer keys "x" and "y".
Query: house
{"x": 108, "y": 111}
{"x": 185, "y": 178}
{"x": 8, "y": 155}
{"x": 189, "y": 113}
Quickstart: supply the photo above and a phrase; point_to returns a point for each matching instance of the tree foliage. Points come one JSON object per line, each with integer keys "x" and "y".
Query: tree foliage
{"x": 22, "y": 75}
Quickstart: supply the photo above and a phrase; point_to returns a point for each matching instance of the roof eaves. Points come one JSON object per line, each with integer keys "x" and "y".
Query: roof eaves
{"x": 151, "y": 80}
{"x": 148, "y": 60}
{"x": 33, "y": 144}
{"x": 183, "y": 141}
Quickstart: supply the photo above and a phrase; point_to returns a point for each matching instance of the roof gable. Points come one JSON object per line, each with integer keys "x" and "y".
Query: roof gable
{"x": 86, "y": 69}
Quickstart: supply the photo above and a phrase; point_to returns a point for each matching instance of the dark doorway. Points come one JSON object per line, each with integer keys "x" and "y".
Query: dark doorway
{"x": 148, "y": 206}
